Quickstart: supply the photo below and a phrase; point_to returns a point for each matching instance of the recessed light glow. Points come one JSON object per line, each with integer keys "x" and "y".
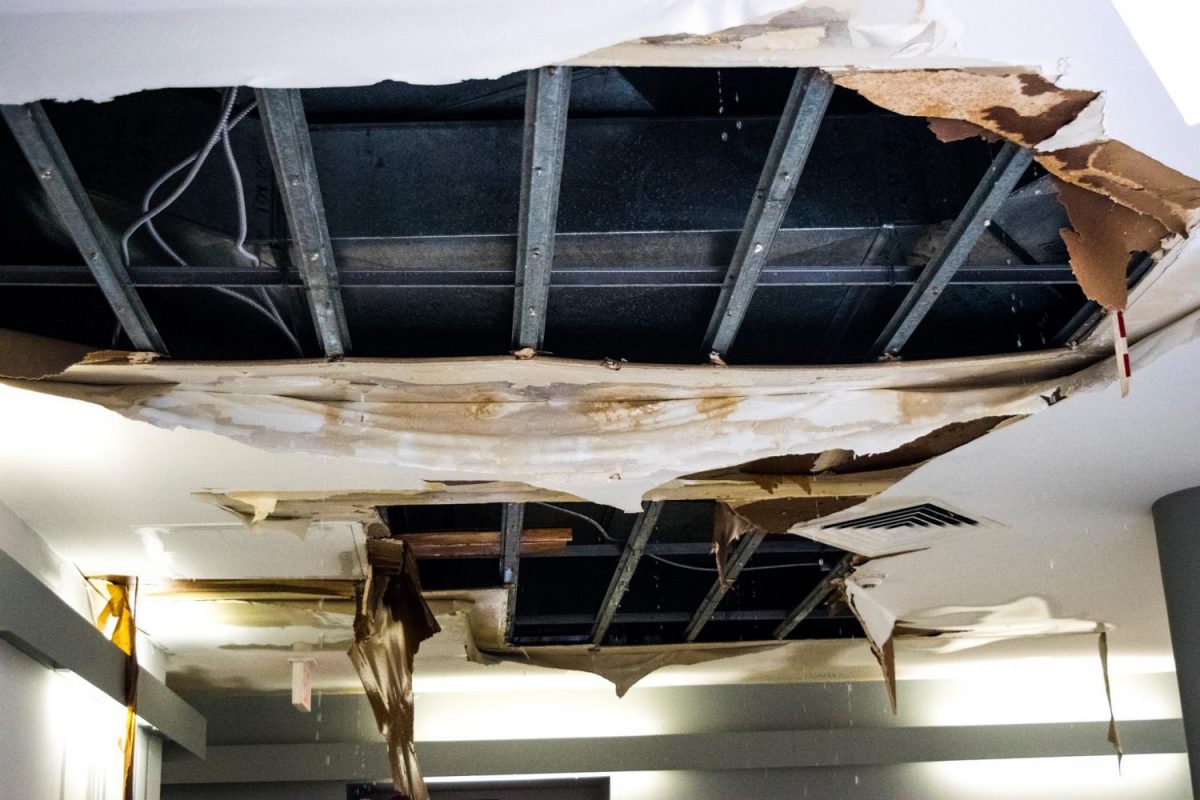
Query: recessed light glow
{"x": 1095, "y": 777}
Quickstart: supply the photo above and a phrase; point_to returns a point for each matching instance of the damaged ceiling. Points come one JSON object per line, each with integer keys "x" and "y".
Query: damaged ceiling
{"x": 700, "y": 365}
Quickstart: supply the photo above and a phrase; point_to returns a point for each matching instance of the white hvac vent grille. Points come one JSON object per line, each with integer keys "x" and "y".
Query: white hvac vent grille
{"x": 912, "y": 524}
{"x": 926, "y": 515}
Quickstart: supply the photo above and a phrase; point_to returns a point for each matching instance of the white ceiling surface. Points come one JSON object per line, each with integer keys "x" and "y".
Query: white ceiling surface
{"x": 69, "y": 49}
{"x": 114, "y": 496}
{"x": 1074, "y": 484}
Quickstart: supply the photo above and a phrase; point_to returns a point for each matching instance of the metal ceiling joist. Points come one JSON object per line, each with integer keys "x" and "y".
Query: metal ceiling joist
{"x": 657, "y": 618}
{"x": 599, "y": 276}
{"x": 1089, "y": 316}
{"x": 605, "y": 550}
{"x": 512, "y": 524}
{"x": 878, "y": 255}
{"x": 635, "y": 545}
{"x": 802, "y": 115}
{"x": 286, "y": 130}
{"x": 814, "y": 598}
{"x": 37, "y": 622}
{"x": 737, "y": 561}
{"x": 44, "y": 152}
{"x": 1002, "y": 175}
{"x": 546, "y": 102}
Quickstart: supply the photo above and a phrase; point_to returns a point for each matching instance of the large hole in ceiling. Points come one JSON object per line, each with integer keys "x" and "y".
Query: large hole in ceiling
{"x": 421, "y": 190}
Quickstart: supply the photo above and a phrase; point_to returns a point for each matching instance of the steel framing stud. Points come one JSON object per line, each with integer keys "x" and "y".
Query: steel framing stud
{"x": 70, "y": 202}
{"x": 1002, "y": 175}
{"x": 546, "y": 102}
{"x": 734, "y": 565}
{"x": 802, "y": 115}
{"x": 286, "y": 130}
{"x": 814, "y": 597}
{"x": 635, "y": 545}
{"x": 512, "y": 525}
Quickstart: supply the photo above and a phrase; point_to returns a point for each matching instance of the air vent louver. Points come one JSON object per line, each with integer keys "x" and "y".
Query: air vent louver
{"x": 926, "y": 515}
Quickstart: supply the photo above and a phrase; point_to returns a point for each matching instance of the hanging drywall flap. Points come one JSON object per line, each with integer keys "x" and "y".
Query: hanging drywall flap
{"x": 1119, "y": 200}
{"x": 1102, "y": 236}
{"x": 623, "y": 666}
{"x": 391, "y": 623}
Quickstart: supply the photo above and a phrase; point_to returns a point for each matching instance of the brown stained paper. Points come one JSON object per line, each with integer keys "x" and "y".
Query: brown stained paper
{"x": 1022, "y": 107}
{"x": 728, "y": 527}
{"x": 1128, "y": 201}
{"x": 1114, "y": 738}
{"x": 573, "y": 427}
{"x": 1100, "y": 241}
{"x": 956, "y": 130}
{"x": 391, "y": 623}
{"x": 1136, "y": 181}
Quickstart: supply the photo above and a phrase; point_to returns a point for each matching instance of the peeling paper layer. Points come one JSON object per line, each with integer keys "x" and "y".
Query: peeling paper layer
{"x": 392, "y": 621}
{"x": 605, "y": 436}
{"x": 1146, "y": 204}
{"x": 623, "y": 667}
{"x": 1022, "y": 107}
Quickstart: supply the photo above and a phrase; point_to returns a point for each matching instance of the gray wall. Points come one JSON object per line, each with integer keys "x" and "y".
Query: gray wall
{"x": 58, "y": 734}
{"x": 752, "y": 741}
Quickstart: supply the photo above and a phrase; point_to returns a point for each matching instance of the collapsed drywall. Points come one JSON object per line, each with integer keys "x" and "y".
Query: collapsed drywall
{"x": 574, "y": 427}
{"x": 889, "y": 593}
{"x": 1119, "y": 201}
{"x": 391, "y": 623}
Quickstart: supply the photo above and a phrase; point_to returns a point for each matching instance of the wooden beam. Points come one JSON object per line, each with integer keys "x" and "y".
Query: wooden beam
{"x": 474, "y": 544}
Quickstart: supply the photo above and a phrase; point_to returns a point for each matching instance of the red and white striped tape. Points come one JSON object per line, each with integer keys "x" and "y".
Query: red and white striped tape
{"x": 1121, "y": 348}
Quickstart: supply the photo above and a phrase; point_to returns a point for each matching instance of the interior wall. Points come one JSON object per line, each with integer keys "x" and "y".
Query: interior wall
{"x": 725, "y": 741}
{"x": 61, "y": 735}
{"x": 1143, "y": 777}
{"x": 1147, "y": 777}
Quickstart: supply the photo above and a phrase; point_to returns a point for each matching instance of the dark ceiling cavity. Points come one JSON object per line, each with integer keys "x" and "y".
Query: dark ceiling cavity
{"x": 758, "y": 213}
{"x": 662, "y": 561}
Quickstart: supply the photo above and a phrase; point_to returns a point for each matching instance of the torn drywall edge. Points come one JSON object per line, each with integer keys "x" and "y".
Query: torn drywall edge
{"x": 1029, "y": 110}
{"x": 877, "y": 622}
{"x": 607, "y": 453}
{"x": 1095, "y": 378}
{"x": 623, "y": 667}
{"x": 1024, "y": 108}
{"x": 392, "y": 621}
{"x": 130, "y": 49}
{"x": 29, "y": 357}
{"x": 491, "y": 379}
{"x": 361, "y": 505}
{"x": 555, "y": 424}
